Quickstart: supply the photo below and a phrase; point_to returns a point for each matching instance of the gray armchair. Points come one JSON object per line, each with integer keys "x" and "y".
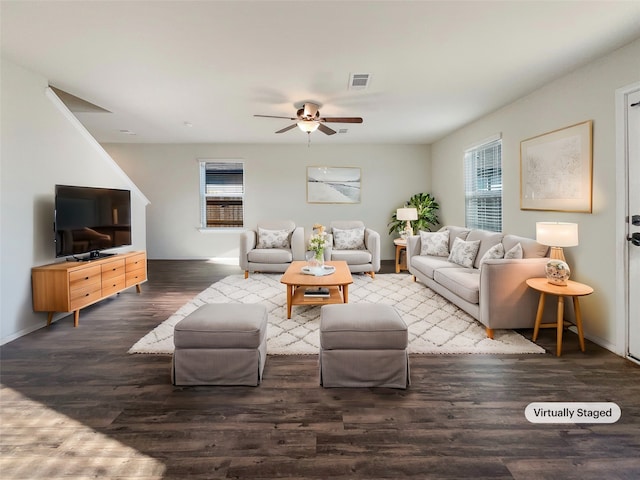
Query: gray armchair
{"x": 351, "y": 241}
{"x": 271, "y": 247}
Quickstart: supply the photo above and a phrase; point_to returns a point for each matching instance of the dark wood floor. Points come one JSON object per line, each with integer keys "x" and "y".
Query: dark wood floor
{"x": 75, "y": 405}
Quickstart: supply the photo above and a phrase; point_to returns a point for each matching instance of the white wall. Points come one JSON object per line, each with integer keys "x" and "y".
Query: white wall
{"x": 275, "y": 181}
{"x": 586, "y": 94}
{"x": 41, "y": 146}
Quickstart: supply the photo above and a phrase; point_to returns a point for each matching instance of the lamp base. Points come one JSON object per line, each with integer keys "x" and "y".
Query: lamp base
{"x": 408, "y": 230}
{"x": 557, "y": 254}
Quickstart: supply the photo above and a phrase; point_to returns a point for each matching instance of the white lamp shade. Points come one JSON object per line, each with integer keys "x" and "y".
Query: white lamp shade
{"x": 557, "y": 234}
{"x": 308, "y": 125}
{"x": 407, "y": 214}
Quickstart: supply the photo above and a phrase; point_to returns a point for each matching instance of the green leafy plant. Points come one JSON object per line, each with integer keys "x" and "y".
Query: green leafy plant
{"x": 427, "y": 208}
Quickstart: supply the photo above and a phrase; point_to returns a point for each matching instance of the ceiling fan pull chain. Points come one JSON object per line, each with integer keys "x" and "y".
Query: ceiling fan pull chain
{"x": 308, "y": 139}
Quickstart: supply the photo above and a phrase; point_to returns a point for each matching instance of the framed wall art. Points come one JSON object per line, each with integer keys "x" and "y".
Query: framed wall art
{"x": 556, "y": 170}
{"x": 333, "y": 185}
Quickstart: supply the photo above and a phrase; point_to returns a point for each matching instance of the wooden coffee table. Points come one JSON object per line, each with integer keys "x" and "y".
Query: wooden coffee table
{"x": 296, "y": 282}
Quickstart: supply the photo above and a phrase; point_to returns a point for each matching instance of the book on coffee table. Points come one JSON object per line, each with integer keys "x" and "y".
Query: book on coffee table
{"x": 317, "y": 292}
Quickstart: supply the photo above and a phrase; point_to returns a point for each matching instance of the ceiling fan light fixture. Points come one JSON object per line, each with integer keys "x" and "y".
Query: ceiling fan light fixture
{"x": 308, "y": 126}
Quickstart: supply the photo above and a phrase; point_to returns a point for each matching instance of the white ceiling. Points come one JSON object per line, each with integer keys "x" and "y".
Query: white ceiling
{"x": 435, "y": 65}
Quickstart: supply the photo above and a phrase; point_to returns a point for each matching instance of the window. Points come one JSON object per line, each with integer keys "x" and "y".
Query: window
{"x": 483, "y": 185}
{"x": 221, "y": 194}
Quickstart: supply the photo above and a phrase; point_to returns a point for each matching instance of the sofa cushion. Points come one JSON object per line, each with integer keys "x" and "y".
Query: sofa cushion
{"x": 352, "y": 257}
{"x": 434, "y": 243}
{"x": 530, "y": 248}
{"x": 497, "y": 251}
{"x": 428, "y": 264}
{"x": 349, "y": 239}
{"x": 455, "y": 232}
{"x": 514, "y": 252}
{"x": 464, "y": 282}
{"x": 487, "y": 240}
{"x": 464, "y": 252}
{"x": 273, "y": 238}
{"x": 270, "y": 255}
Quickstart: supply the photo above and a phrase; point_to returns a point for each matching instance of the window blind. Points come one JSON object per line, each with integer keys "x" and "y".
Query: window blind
{"x": 483, "y": 186}
{"x": 222, "y": 194}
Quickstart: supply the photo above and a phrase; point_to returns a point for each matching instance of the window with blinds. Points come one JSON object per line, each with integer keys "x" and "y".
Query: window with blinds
{"x": 483, "y": 185}
{"x": 222, "y": 194}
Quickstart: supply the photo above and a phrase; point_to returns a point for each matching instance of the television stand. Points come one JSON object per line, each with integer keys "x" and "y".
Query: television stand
{"x": 70, "y": 286}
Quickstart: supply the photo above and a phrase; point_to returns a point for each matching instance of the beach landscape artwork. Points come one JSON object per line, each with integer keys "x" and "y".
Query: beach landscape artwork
{"x": 333, "y": 185}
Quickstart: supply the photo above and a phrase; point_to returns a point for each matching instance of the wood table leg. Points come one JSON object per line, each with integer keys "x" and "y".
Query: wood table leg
{"x": 536, "y": 327}
{"x": 290, "y": 289}
{"x": 76, "y": 317}
{"x": 138, "y": 289}
{"x": 398, "y": 248}
{"x": 560, "y": 325}
{"x": 345, "y": 293}
{"x": 576, "y": 308}
{"x": 49, "y": 318}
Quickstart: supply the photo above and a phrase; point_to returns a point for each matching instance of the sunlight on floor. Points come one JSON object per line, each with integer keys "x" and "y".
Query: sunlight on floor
{"x": 224, "y": 261}
{"x": 38, "y": 442}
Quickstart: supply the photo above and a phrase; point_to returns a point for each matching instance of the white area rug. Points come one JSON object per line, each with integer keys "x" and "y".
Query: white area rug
{"x": 435, "y": 325}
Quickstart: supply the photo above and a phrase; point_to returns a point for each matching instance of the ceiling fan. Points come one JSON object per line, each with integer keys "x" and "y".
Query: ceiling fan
{"x": 308, "y": 120}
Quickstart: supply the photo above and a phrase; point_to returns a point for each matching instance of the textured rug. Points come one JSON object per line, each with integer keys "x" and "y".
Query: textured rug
{"x": 435, "y": 325}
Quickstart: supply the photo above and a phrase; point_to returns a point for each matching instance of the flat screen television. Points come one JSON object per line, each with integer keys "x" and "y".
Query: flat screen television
{"x": 89, "y": 220}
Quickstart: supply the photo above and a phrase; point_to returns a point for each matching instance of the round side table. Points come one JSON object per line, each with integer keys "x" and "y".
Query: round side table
{"x": 572, "y": 289}
{"x": 400, "y": 245}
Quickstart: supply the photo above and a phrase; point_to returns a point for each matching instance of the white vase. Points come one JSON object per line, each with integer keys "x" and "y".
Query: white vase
{"x": 557, "y": 272}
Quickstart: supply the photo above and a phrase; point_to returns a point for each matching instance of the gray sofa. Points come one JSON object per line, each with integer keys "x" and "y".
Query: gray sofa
{"x": 271, "y": 257}
{"x": 495, "y": 293}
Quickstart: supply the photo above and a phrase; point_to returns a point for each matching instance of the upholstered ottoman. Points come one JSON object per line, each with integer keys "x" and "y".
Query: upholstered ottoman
{"x": 363, "y": 345}
{"x": 220, "y": 344}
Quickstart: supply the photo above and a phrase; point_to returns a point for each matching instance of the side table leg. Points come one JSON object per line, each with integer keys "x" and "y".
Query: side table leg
{"x": 536, "y": 327}
{"x": 560, "y": 325}
{"x": 397, "y": 259}
{"x": 576, "y": 308}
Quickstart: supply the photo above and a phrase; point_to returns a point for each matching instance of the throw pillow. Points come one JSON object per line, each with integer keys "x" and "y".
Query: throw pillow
{"x": 464, "y": 252}
{"x": 434, "y": 243}
{"x": 515, "y": 252}
{"x": 350, "y": 239}
{"x": 273, "y": 238}
{"x": 497, "y": 251}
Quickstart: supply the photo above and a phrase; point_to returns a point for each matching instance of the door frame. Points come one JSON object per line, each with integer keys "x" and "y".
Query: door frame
{"x": 622, "y": 225}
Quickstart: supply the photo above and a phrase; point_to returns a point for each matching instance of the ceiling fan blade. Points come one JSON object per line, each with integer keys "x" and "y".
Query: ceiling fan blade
{"x": 341, "y": 119}
{"x": 274, "y": 116}
{"x": 325, "y": 129}
{"x": 286, "y": 129}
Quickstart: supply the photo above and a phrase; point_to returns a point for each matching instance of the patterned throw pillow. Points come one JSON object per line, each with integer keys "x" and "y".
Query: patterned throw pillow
{"x": 351, "y": 239}
{"x": 273, "y": 238}
{"x": 434, "y": 243}
{"x": 497, "y": 251}
{"x": 515, "y": 252}
{"x": 464, "y": 253}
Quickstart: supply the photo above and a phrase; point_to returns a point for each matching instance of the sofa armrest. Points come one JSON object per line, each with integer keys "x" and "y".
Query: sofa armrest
{"x": 505, "y": 299}
{"x": 413, "y": 247}
{"x": 247, "y": 243}
{"x": 372, "y": 243}
{"x": 298, "y": 247}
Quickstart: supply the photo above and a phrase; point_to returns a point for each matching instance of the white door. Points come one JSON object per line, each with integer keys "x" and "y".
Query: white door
{"x": 633, "y": 209}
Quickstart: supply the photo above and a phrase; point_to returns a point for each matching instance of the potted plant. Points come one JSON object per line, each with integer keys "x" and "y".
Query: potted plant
{"x": 426, "y": 206}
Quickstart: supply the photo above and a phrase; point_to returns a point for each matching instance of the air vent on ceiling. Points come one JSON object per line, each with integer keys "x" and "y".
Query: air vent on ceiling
{"x": 343, "y": 130}
{"x": 359, "y": 81}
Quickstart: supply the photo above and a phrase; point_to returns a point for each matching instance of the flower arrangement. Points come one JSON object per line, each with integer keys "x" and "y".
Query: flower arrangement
{"x": 317, "y": 242}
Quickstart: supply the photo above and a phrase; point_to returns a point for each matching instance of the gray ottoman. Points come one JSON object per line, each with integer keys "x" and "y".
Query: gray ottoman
{"x": 220, "y": 344}
{"x": 363, "y": 345}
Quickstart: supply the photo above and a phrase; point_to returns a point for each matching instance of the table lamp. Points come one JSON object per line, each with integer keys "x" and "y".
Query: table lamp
{"x": 407, "y": 214}
{"x": 557, "y": 235}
